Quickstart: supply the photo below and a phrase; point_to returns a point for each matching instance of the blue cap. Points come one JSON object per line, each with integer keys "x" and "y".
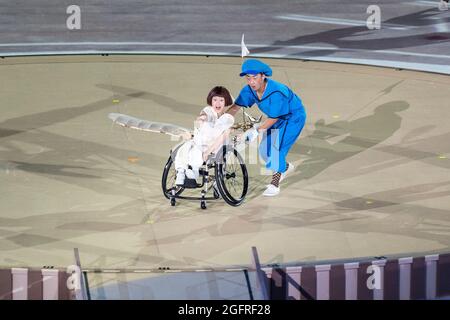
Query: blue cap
{"x": 253, "y": 66}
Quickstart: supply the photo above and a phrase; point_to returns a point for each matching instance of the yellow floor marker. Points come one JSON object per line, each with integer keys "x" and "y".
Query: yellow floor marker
{"x": 369, "y": 202}
{"x": 133, "y": 159}
{"x": 442, "y": 157}
{"x": 336, "y": 116}
{"x": 116, "y": 101}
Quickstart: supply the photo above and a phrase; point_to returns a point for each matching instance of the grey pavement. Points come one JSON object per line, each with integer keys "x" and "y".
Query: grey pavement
{"x": 413, "y": 35}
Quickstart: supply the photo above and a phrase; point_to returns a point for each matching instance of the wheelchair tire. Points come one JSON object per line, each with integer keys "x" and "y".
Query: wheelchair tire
{"x": 168, "y": 180}
{"x": 230, "y": 176}
{"x": 216, "y": 193}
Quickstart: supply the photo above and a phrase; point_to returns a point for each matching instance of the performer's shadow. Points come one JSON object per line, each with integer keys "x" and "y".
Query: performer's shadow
{"x": 331, "y": 143}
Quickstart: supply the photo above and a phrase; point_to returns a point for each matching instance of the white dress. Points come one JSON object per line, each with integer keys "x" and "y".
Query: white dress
{"x": 191, "y": 152}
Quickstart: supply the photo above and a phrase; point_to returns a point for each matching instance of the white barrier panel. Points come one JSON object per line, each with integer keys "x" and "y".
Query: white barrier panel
{"x": 50, "y": 284}
{"x": 268, "y": 272}
{"x": 295, "y": 275}
{"x": 405, "y": 278}
{"x": 431, "y": 275}
{"x": 19, "y": 283}
{"x": 351, "y": 280}
{"x": 323, "y": 282}
{"x": 378, "y": 293}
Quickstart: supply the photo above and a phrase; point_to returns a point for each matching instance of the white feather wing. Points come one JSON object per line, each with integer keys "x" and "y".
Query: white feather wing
{"x": 149, "y": 126}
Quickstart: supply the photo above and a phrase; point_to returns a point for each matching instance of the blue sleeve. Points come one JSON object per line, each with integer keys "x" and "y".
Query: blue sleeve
{"x": 279, "y": 106}
{"x": 245, "y": 98}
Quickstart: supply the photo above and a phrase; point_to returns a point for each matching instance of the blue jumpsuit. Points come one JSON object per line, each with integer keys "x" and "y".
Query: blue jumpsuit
{"x": 278, "y": 102}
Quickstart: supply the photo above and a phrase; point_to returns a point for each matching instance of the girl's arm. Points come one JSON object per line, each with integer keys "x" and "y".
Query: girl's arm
{"x": 233, "y": 109}
{"x": 202, "y": 117}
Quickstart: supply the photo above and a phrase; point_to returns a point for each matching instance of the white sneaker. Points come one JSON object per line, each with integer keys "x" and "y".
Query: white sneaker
{"x": 290, "y": 169}
{"x": 271, "y": 191}
{"x": 443, "y": 6}
{"x": 180, "y": 178}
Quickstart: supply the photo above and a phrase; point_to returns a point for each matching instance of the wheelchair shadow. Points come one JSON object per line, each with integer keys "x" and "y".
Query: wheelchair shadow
{"x": 331, "y": 143}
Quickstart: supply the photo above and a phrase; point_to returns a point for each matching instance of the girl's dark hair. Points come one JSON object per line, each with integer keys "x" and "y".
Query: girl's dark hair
{"x": 219, "y": 92}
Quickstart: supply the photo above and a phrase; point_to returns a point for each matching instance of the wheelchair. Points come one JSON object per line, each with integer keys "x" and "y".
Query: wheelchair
{"x": 223, "y": 176}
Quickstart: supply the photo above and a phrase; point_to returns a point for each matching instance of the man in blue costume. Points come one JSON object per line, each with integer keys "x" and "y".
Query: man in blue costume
{"x": 286, "y": 118}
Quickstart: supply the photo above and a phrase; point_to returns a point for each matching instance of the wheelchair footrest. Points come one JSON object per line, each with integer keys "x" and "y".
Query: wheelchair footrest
{"x": 190, "y": 183}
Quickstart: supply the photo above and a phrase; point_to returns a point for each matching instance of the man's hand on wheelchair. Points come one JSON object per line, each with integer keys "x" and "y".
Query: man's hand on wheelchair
{"x": 207, "y": 156}
{"x": 250, "y": 135}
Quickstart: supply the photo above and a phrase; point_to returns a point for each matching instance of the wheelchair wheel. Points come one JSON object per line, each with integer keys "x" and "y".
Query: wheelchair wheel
{"x": 168, "y": 180}
{"x": 216, "y": 193}
{"x": 232, "y": 176}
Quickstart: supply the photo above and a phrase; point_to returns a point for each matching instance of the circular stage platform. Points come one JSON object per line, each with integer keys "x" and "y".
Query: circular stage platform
{"x": 372, "y": 165}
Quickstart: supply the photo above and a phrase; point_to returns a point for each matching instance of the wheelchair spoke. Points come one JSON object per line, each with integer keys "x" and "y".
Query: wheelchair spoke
{"x": 238, "y": 182}
{"x": 233, "y": 187}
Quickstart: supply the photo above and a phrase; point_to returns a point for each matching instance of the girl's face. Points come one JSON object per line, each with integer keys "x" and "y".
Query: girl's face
{"x": 218, "y": 104}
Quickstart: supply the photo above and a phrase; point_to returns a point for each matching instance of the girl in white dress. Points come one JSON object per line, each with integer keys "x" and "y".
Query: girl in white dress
{"x": 211, "y": 129}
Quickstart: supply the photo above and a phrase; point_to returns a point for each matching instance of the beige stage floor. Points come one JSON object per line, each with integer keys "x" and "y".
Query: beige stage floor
{"x": 372, "y": 172}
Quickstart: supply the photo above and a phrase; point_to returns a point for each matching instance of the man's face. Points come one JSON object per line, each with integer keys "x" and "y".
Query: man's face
{"x": 218, "y": 103}
{"x": 255, "y": 81}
